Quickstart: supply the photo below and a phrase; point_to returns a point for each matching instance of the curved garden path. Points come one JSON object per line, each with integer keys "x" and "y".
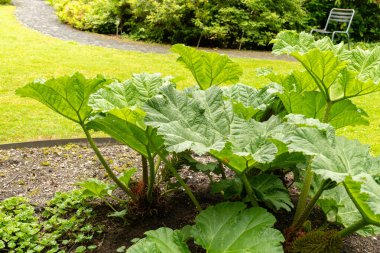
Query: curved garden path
{"x": 38, "y": 15}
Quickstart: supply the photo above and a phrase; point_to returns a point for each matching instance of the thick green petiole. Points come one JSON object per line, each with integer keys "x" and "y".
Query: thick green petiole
{"x": 249, "y": 190}
{"x": 106, "y": 166}
{"x": 353, "y": 228}
{"x": 183, "y": 184}
{"x": 144, "y": 163}
{"x": 297, "y": 223}
{"x": 302, "y": 201}
{"x": 152, "y": 177}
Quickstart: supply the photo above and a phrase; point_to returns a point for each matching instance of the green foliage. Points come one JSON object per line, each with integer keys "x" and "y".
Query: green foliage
{"x": 19, "y": 227}
{"x": 65, "y": 223}
{"x": 332, "y": 76}
{"x": 226, "y": 227}
{"x": 268, "y": 189}
{"x": 5, "y": 1}
{"x": 99, "y": 15}
{"x": 67, "y": 218}
{"x": 339, "y": 208}
{"x": 364, "y": 192}
{"x": 121, "y": 116}
{"x": 67, "y": 95}
{"x": 198, "y": 122}
{"x": 160, "y": 241}
{"x": 95, "y": 188}
{"x": 272, "y": 192}
{"x": 235, "y": 125}
{"x": 228, "y": 24}
{"x": 249, "y": 102}
{"x": 208, "y": 69}
{"x": 229, "y": 227}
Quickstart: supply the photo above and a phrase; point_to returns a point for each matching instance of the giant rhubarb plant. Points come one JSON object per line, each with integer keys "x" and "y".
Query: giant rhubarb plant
{"x": 69, "y": 96}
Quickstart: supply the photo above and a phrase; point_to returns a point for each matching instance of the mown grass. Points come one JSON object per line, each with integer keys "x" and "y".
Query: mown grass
{"x": 26, "y": 55}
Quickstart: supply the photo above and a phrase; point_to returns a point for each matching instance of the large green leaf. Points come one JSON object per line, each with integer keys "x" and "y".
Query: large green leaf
{"x": 333, "y": 158}
{"x": 348, "y": 86}
{"x": 302, "y": 121}
{"x": 199, "y": 122}
{"x": 116, "y": 95}
{"x": 365, "y": 193}
{"x": 238, "y": 163}
{"x": 229, "y": 227}
{"x": 256, "y": 138}
{"x": 66, "y": 95}
{"x": 287, "y": 42}
{"x": 366, "y": 63}
{"x": 208, "y": 69}
{"x": 345, "y": 113}
{"x": 346, "y": 158}
{"x": 309, "y": 141}
{"x": 323, "y": 66}
{"x": 162, "y": 240}
{"x": 121, "y": 116}
{"x": 312, "y": 104}
{"x": 127, "y": 126}
{"x": 339, "y": 208}
{"x": 248, "y": 101}
{"x": 132, "y": 92}
{"x": 296, "y": 81}
{"x": 251, "y": 142}
{"x": 271, "y": 190}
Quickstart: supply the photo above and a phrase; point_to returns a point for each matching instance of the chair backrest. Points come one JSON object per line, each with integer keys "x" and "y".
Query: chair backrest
{"x": 341, "y": 16}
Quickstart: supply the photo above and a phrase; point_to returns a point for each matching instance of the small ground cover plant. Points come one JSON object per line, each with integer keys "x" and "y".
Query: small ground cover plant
{"x": 64, "y": 225}
{"x": 260, "y": 134}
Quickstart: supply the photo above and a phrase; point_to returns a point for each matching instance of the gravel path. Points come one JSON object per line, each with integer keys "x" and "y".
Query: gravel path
{"x": 38, "y": 15}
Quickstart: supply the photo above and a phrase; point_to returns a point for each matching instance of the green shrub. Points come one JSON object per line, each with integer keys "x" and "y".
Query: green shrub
{"x": 238, "y": 23}
{"x": 98, "y": 15}
{"x": 5, "y": 1}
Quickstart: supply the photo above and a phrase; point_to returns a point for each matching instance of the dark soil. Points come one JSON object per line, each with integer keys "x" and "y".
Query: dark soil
{"x": 37, "y": 173}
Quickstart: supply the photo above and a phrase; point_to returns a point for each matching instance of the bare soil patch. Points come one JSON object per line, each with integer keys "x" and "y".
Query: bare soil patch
{"x": 38, "y": 173}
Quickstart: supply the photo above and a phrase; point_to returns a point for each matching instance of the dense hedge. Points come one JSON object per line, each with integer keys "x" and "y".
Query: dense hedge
{"x": 233, "y": 23}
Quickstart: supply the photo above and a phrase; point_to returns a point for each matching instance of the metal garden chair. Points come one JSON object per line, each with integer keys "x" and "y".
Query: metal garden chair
{"x": 338, "y": 16}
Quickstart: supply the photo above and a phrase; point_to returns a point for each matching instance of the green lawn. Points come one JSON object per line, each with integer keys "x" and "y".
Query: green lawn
{"x": 26, "y": 55}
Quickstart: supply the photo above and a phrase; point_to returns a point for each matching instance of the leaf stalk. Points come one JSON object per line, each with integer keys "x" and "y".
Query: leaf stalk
{"x": 302, "y": 200}
{"x": 353, "y": 228}
{"x": 249, "y": 190}
{"x": 305, "y": 214}
{"x": 180, "y": 180}
{"x": 106, "y": 166}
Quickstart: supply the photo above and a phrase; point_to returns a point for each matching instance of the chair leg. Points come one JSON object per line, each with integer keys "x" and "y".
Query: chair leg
{"x": 332, "y": 37}
{"x": 348, "y": 39}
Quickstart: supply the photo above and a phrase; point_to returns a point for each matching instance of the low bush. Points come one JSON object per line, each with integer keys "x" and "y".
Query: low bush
{"x": 98, "y": 15}
{"x": 239, "y": 23}
{"x": 234, "y": 24}
{"x": 5, "y": 1}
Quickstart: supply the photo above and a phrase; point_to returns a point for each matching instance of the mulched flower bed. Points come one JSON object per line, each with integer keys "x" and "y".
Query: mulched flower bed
{"x": 38, "y": 173}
